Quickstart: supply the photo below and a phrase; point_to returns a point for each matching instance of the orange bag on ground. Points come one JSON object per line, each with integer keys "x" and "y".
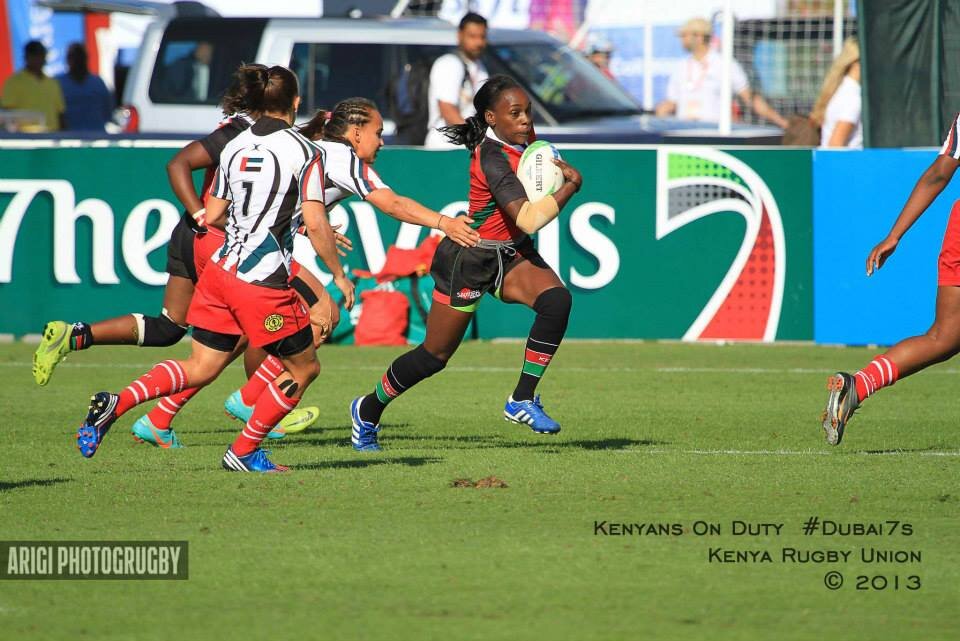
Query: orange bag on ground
{"x": 383, "y": 318}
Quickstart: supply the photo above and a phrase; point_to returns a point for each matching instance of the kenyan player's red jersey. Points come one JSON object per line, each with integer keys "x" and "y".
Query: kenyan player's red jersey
{"x": 494, "y": 184}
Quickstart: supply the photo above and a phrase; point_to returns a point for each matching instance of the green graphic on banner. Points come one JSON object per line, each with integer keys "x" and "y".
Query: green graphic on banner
{"x": 673, "y": 242}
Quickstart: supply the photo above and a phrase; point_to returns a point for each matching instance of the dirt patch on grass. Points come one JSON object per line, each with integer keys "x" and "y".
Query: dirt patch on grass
{"x": 490, "y": 481}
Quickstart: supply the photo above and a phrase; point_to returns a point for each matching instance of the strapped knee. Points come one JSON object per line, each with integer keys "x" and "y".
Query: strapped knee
{"x": 554, "y": 302}
{"x": 158, "y": 331}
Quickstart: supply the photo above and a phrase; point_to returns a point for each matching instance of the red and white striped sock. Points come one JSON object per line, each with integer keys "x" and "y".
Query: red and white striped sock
{"x": 880, "y": 373}
{"x": 269, "y": 370}
{"x": 164, "y": 379}
{"x": 269, "y": 410}
{"x": 162, "y": 414}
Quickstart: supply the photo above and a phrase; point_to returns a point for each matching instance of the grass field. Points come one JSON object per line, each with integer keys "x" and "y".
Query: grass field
{"x": 382, "y": 546}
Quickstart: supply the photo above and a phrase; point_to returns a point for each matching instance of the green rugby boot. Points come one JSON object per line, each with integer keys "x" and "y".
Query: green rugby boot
{"x": 54, "y": 346}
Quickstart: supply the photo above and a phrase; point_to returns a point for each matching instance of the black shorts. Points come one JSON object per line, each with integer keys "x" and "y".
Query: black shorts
{"x": 180, "y": 251}
{"x": 464, "y": 274}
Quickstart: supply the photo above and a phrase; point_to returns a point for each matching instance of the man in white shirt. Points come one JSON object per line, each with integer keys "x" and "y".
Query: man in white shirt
{"x": 455, "y": 79}
{"x": 693, "y": 92}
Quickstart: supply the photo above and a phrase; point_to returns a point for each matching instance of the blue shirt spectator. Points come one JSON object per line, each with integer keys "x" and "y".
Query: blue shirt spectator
{"x": 89, "y": 102}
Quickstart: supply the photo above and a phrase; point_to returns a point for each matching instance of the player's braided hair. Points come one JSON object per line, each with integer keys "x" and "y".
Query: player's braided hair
{"x": 472, "y": 132}
{"x": 333, "y": 125}
{"x": 257, "y": 89}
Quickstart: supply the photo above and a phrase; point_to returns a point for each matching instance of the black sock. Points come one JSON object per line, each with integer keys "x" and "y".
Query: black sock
{"x": 405, "y": 372}
{"x": 81, "y": 337}
{"x": 553, "y": 311}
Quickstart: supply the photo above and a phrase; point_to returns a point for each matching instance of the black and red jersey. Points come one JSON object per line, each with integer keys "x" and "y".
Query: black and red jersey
{"x": 214, "y": 143}
{"x": 494, "y": 184}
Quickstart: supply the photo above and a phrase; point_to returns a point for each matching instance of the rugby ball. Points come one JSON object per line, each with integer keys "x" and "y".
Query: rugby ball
{"x": 537, "y": 173}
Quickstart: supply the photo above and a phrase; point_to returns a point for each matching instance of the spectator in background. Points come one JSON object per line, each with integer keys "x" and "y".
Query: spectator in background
{"x": 188, "y": 78}
{"x": 693, "y": 92}
{"x": 837, "y": 110}
{"x": 32, "y": 90}
{"x": 455, "y": 79}
{"x": 89, "y": 103}
{"x": 599, "y": 52}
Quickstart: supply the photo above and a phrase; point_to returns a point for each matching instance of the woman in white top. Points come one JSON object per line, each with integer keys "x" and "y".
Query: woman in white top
{"x": 837, "y": 110}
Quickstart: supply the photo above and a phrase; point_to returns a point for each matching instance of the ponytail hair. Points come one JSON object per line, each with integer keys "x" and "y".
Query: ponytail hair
{"x": 245, "y": 90}
{"x": 257, "y": 89}
{"x": 472, "y": 132}
{"x": 333, "y": 125}
{"x": 313, "y": 129}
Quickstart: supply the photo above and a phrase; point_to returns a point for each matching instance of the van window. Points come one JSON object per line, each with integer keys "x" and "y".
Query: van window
{"x": 330, "y": 72}
{"x": 196, "y": 59}
{"x": 566, "y": 84}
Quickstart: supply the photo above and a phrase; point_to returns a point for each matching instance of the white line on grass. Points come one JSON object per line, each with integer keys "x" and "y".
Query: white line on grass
{"x": 781, "y": 452}
{"x": 471, "y": 368}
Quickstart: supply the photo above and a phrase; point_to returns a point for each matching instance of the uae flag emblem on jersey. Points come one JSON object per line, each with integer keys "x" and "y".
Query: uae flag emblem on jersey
{"x": 251, "y": 163}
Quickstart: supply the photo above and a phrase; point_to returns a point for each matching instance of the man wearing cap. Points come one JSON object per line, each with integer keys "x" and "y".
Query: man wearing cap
{"x": 32, "y": 90}
{"x": 599, "y": 52}
{"x": 693, "y": 92}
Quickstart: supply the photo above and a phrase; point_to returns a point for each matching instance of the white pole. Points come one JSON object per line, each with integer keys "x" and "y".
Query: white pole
{"x": 838, "y": 14}
{"x": 726, "y": 51}
{"x": 648, "y": 61}
{"x": 398, "y": 8}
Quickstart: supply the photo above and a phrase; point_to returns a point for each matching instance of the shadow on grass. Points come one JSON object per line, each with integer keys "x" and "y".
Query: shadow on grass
{"x": 7, "y": 486}
{"x": 409, "y": 461}
{"x": 907, "y": 450}
{"x": 541, "y": 442}
{"x": 313, "y": 429}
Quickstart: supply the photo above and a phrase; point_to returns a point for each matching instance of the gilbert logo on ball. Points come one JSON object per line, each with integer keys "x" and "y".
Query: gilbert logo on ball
{"x": 537, "y": 173}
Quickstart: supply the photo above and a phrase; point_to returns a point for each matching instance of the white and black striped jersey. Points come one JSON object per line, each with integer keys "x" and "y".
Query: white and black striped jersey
{"x": 266, "y": 172}
{"x": 345, "y": 174}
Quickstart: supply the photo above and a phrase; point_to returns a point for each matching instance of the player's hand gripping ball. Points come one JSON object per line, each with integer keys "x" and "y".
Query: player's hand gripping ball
{"x": 538, "y": 174}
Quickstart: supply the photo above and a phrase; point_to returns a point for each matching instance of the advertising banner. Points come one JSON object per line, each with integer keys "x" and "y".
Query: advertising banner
{"x": 857, "y": 199}
{"x": 673, "y": 242}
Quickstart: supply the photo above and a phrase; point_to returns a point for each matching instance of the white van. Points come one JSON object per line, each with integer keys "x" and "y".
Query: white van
{"x": 185, "y": 64}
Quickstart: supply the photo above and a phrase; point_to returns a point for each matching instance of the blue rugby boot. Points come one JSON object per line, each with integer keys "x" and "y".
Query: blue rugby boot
{"x": 100, "y": 416}
{"x": 235, "y": 407}
{"x": 255, "y": 461}
{"x": 297, "y": 420}
{"x": 530, "y": 413}
{"x": 144, "y": 431}
{"x": 364, "y": 434}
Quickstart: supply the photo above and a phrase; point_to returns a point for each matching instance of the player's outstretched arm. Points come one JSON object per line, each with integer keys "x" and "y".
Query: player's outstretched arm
{"x": 323, "y": 239}
{"x": 410, "y": 211}
{"x": 933, "y": 181}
